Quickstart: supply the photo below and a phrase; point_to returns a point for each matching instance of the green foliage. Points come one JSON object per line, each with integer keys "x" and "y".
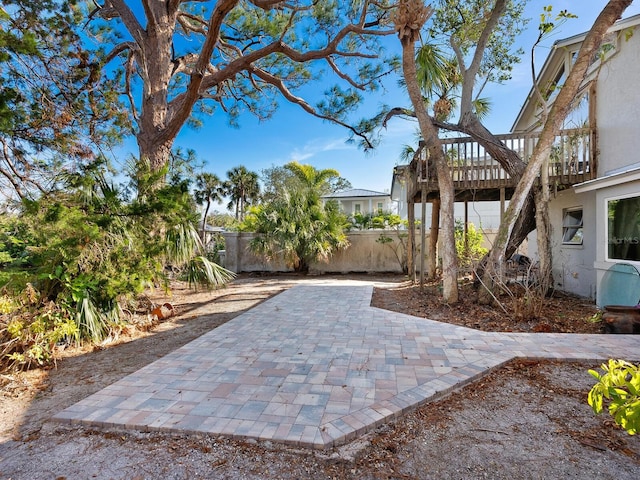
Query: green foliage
{"x": 223, "y": 220}
{"x": 618, "y": 389}
{"x": 468, "y": 247}
{"x": 53, "y": 105}
{"x": 242, "y": 188}
{"x": 296, "y": 225}
{"x": 550, "y": 23}
{"x": 88, "y": 248}
{"x": 367, "y": 221}
{"x": 278, "y": 179}
{"x": 209, "y": 189}
{"x": 29, "y": 332}
{"x": 201, "y": 271}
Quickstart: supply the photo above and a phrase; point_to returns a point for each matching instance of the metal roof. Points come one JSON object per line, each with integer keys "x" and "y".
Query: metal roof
{"x": 357, "y": 192}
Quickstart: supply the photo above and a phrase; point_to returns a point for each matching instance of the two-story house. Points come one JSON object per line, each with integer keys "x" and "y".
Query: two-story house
{"x": 594, "y": 169}
{"x": 596, "y": 223}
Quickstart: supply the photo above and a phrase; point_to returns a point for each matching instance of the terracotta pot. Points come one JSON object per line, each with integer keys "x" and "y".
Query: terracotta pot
{"x": 163, "y": 311}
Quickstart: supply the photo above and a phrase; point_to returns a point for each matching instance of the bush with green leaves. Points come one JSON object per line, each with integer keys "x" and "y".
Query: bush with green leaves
{"x": 395, "y": 238}
{"x": 378, "y": 220}
{"x": 30, "y": 330}
{"x": 87, "y": 249}
{"x": 468, "y": 245}
{"x": 296, "y": 225}
{"x": 618, "y": 389}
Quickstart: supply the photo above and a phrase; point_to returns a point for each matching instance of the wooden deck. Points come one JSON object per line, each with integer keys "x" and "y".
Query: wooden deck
{"x": 477, "y": 176}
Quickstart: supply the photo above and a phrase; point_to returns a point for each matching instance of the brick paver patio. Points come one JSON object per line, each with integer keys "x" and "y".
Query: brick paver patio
{"x": 316, "y": 366}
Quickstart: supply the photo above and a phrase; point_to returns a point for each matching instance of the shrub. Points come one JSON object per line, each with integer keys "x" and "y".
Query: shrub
{"x": 468, "y": 247}
{"x": 618, "y": 389}
{"x": 30, "y": 332}
{"x": 84, "y": 250}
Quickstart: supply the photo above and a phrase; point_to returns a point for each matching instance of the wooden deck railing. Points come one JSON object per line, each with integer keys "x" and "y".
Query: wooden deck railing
{"x": 572, "y": 160}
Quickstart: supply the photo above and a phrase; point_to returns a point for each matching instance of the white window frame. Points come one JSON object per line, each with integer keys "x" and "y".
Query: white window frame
{"x": 357, "y": 208}
{"x": 606, "y": 229}
{"x": 567, "y": 214}
{"x": 380, "y": 207}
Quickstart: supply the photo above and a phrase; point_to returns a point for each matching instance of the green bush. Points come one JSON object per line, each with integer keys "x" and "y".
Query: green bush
{"x": 618, "y": 389}
{"x": 298, "y": 228}
{"x": 82, "y": 251}
{"x": 468, "y": 248}
{"x": 30, "y": 331}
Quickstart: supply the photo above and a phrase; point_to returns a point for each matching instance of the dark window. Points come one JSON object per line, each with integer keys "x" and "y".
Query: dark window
{"x": 623, "y": 228}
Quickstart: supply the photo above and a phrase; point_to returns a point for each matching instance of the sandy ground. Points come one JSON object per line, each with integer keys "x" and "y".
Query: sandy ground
{"x": 524, "y": 421}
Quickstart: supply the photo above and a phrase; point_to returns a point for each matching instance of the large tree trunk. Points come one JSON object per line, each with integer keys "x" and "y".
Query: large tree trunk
{"x": 157, "y": 155}
{"x": 409, "y": 19}
{"x": 559, "y": 110}
{"x": 543, "y": 235}
{"x": 156, "y": 67}
{"x": 515, "y": 167}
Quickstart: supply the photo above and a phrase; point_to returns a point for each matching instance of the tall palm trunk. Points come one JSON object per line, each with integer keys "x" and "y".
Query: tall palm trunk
{"x": 409, "y": 19}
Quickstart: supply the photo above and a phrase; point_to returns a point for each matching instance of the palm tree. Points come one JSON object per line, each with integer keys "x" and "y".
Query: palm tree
{"x": 314, "y": 183}
{"x": 242, "y": 187}
{"x": 409, "y": 19}
{"x": 209, "y": 189}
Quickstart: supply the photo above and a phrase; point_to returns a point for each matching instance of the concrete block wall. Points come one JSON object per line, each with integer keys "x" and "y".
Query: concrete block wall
{"x": 364, "y": 254}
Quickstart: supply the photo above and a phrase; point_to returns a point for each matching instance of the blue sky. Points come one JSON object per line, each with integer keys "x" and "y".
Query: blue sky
{"x": 292, "y": 134}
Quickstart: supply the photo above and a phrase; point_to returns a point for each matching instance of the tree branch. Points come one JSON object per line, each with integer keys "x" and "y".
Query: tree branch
{"x": 127, "y": 85}
{"x": 286, "y": 93}
{"x": 201, "y": 80}
{"x": 395, "y": 112}
{"x": 466, "y": 97}
{"x": 189, "y": 27}
{"x": 130, "y": 21}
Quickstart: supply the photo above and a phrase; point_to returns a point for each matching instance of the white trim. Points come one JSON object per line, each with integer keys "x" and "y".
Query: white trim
{"x": 608, "y": 181}
{"x": 567, "y": 212}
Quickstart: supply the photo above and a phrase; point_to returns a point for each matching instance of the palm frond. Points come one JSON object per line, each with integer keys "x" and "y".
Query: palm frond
{"x": 482, "y": 107}
{"x": 183, "y": 242}
{"x": 91, "y": 323}
{"x": 202, "y": 272}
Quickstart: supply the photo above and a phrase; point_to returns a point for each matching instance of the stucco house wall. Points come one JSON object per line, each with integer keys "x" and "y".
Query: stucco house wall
{"x": 618, "y": 106}
{"x": 615, "y": 113}
{"x": 572, "y": 264}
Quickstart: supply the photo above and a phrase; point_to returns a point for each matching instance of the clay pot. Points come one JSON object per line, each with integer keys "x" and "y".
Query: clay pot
{"x": 163, "y": 311}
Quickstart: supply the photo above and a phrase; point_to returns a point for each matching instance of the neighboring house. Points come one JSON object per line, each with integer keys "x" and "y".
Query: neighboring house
{"x": 596, "y": 223}
{"x": 594, "y": 167}
{"x": 362, "y": 201}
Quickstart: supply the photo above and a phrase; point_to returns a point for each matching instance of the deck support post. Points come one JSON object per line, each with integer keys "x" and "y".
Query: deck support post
{"x": 423, "y": 229}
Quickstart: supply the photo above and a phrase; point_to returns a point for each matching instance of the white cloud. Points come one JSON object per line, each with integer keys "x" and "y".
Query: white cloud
{"x": 318, "y": 146}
